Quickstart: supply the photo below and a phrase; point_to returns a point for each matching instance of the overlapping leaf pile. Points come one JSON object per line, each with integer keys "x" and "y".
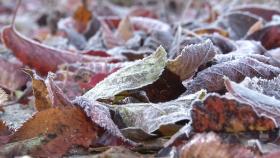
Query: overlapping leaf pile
{"x": 133, "y": 79}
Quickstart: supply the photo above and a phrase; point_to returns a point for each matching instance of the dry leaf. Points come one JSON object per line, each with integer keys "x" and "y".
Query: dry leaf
{"x": 217, "y": 113}
{"x": 138, "y": 74}
{"x": 211, "y": 146}
{"x": 192, "y": 56}
{"x": 67, "y": 127}
{"x": 263, "y": 104}
{"x": 125, "y": 29}
{"x": 211, "y": 78}
{"x": 36, "y": 55}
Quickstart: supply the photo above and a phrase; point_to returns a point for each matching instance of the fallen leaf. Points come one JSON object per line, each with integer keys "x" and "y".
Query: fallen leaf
{"x": 238, "y": 23}
{"x": 209, "y": 145}
{"x": 36, "y": 55}
{"x": 40, "y": 91}
{"x": 100, "y": 116}
{"x": 192, "y": 56}
{"x": 151, "y": 117}
{"x": 262, "y": 11}
{"x": 82, "y": 17}
{"x": 4, "y": 129}
{"x": 149, "y": 25}
{"x": 11, "y": 76}
{"x": 67, "y": 126}
{"x": 263, "y": 104}
{"x": 217, "y": 113}
{"x": 138, "y": 74}
{"x": 211, "y": 78}
{"x": 269, "y": 36}
{"x": 264, "y": 86}
{"x": 125, "y": 29}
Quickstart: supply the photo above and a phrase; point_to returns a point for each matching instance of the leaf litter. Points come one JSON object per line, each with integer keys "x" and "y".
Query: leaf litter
{"x": 180, "y": 79}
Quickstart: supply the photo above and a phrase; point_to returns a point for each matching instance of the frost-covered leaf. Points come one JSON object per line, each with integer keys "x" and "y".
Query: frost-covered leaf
{"x": 151, "y": 117}
{"x": 136, "y": 75}
{"x": 66, "y": 127}
{"x": 211, "y": 78}
{"x": 217, "y": 113}
{"x": 263, "y": 104}
{"x": 101, "y": 117}
{"x": 12, "y": 77}
{"x": 264, "y": 86}
{"x": 192, "y": 56}
{"x": 238, "y": 23}
{"x": 40, "y": 91}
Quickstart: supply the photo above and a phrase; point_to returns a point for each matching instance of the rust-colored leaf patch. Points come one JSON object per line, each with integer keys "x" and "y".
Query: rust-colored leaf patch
{"x": 66, "y": 126}
{"x": 216, "y": 113}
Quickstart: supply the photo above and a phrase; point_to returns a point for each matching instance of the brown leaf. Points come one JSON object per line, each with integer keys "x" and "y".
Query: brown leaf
{"x": 40, "y": 92}
{"x": 209, "y": 145}
{"x": 37, "y": 55}
{"x": 11, "y": 76}
{"x": 125, "y": 29}
{"x": 263, "y": 104}
{"x": 82, "y": 17}
{"x": 216, "y": 113}
{"x": 192, "y": 56}
{"x": 57, "y": 97}
{"x": 4, "y": 130}
{"x": 67, "y": 127}
{"x": 211, "y": 78}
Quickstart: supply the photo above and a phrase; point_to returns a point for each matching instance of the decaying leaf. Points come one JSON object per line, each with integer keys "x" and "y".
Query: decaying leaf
{"x": 138, "y": 74}
{"x": 211, "y": 146}
{"x": 211, "y": 78}
{"x": 4, "y": 129}
{"x": 192, "y": 56}
{"x": 66, "y": 126}
{"x": 217, "y": 113}
{"x": 263, "y": 104}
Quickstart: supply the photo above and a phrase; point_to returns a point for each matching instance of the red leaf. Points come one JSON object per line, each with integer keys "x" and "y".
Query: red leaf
{"x": 34, "y": 54}
{"x": 216, "y": 113}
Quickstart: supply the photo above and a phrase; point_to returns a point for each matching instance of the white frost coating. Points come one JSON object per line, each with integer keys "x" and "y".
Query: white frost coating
{"x": 139, "y": 74}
